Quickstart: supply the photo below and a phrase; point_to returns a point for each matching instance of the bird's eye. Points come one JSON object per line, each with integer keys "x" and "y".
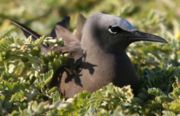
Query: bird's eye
{"x": 114, "y": 30}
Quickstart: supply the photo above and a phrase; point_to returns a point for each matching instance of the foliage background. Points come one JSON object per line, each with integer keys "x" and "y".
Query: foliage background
{"x": 24, "y": 86}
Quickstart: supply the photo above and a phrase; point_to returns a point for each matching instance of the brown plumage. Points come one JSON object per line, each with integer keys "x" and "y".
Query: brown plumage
{"x": 98, "y": 54}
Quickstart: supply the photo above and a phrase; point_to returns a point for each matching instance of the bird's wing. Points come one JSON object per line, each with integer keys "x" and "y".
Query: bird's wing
{"x": 71, "y": 42}
{"x": 64, "y": 23}
{"x": 27, "y": 31}
{"x": 80, "y": 24}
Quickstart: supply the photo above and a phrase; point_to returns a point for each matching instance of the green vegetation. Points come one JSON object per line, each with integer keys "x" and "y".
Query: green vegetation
{"x": 25, "y": 73}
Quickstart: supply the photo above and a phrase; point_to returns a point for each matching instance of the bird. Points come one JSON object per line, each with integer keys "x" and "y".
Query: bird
{"x": 99, "y": 55}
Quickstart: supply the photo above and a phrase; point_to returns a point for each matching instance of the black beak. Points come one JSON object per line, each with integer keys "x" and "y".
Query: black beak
{"x": 141, "y": 36}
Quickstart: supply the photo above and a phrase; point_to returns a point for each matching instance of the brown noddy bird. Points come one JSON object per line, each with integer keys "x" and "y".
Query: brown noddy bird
{"x": 98, "y": 49}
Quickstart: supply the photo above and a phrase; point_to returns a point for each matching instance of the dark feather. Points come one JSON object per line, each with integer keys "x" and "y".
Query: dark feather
{"x": 64, "y": 23}
{"x": 27, "y": 31}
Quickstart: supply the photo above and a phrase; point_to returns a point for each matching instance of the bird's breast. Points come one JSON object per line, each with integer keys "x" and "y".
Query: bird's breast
{"x": 102, "y": 74}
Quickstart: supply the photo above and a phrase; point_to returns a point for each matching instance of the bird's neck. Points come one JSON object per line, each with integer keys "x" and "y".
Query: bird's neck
{"x": 104, "y": 62}
{"x": 93, "y": 51}
{"x": 124, "y": 69}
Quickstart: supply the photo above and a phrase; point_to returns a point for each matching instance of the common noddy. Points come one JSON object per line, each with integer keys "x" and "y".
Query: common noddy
{"x": 100, "y": 54}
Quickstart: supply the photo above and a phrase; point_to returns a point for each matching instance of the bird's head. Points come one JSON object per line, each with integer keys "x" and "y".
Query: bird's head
{"x": 114, "y": 33}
